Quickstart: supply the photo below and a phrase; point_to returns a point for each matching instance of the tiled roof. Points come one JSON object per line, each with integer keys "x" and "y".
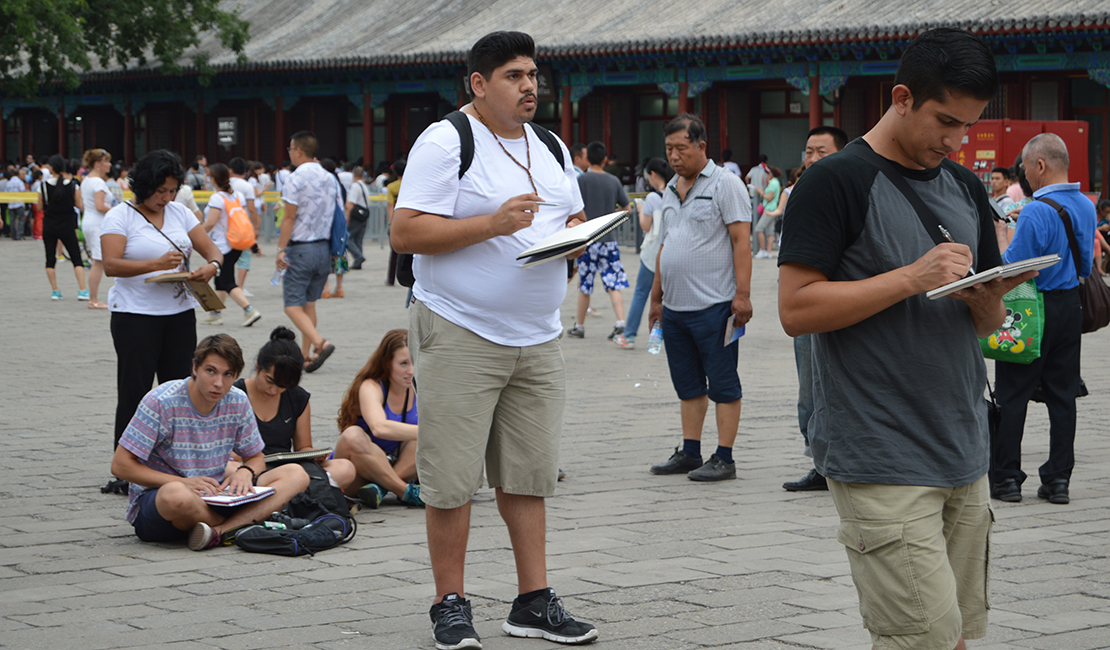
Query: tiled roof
{"x": 295, "y": 34}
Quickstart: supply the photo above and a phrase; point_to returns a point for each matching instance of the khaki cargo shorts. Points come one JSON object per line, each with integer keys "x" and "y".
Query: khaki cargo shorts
{"x": 483, "y": 404}
{"x": 920, "y": 559}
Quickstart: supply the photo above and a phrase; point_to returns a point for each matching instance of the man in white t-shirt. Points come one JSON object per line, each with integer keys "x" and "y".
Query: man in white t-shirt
{"x": 283, "y": 175}
{"x": 345, "y": 176}
{"x": 484, "y": 334}
{"x": 357, "y": 197}
{"x": 310, "y": 196}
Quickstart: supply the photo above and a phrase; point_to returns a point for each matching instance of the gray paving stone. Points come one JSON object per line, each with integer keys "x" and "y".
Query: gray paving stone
{"x": 657, "y": 562}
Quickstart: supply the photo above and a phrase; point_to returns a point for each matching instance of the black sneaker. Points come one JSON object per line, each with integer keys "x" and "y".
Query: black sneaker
{"x": 545, "y": 618}
{"x": 577, "y": 332}
{"x": 714, "y": 469}
{"x": 617, "y": 329}
{"x": 453, "y": 624}
{"x": 808, "y": 483}
{"x": 679, "y": 463}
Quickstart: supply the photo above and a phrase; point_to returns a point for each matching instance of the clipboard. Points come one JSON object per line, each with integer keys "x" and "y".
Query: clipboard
{"x": 202, "y": 291}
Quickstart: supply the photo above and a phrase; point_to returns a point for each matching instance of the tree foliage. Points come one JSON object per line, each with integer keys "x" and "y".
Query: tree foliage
{"x": 52, "y": 41}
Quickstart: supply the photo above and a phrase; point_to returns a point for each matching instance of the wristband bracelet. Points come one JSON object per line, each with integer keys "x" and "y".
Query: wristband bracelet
{"x": 244, "y": 466}
{"x": 219, "y": 267}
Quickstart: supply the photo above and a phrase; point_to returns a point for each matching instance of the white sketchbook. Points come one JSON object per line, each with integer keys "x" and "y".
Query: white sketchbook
{"x": 1004, "y": 271}
{"x": 572, "y": 240}
{"x": 225, "y": 499}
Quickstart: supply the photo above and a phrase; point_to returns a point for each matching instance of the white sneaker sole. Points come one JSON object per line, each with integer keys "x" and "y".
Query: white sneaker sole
{"x": 465, "y": 643}
{"x": 253, "y": 318}
{"x": 199, "y": 537}
{"x": 537, "y": 633}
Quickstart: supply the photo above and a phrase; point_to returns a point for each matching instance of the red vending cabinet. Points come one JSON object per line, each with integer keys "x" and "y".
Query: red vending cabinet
{"x": 997, "y": 143}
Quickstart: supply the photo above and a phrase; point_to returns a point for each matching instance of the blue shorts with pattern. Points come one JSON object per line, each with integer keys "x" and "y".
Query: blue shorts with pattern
{"x": 604, "y": 258}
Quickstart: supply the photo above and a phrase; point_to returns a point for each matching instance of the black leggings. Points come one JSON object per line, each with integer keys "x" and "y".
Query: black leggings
{"x": 225, "y": 281}
{"x": 146, "y": 345}
{"x": 68, "y": 238}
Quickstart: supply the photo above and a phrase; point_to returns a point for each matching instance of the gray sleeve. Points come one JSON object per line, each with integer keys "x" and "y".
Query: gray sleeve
{"x": 733, "y": 199}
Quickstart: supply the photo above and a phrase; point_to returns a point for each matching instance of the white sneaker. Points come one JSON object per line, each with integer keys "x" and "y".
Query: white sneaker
{"x": 252, "y": 317}
{"x": 247, "y": 293}
{"x": 213, "y": 319}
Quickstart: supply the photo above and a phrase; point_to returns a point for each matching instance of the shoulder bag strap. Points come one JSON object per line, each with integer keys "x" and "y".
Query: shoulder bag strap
{"x": 183, "y": 255}
{"x": 461, "y": 122}
{"x": 1072, "y": 243}
{"x": 928, "y": 218}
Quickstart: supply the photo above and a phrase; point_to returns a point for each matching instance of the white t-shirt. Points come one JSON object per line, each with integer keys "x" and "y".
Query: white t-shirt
{"x": 649, "y": 248}
{"x": 218, "y": 234}
{"x": 89, "y": 187}
{"x": 483, "y": 287}
{"x": 346, "y": 178}
{"x": 732, "y": 167}
{"x": 315, "y": 192}
{"x": 144, "y": 242}
{"x": 185, "y": 197}
{"x": 282, "y": 177}
{"x": 358, "y": 194}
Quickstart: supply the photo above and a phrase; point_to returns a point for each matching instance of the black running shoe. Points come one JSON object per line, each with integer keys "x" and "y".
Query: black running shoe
{"x": 454, "y": 628}
{"x": 545, "y": 618}
{"x": 679, "y": 463}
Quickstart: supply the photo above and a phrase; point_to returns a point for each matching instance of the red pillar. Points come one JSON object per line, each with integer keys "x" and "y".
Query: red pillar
{"x": 367, "y": 135}
{"x": 566, "y": 111}
{"x": 606, "y": 124}
{"x": 683, "y": 100}
{"x": 201, "y": 136}
{"x": 62, "y": 131}
{"x": 814, "y": 102}
{"x": 128, "y": 136}
{"x": 722, "y": 116}
{"x": 280, "y": 143}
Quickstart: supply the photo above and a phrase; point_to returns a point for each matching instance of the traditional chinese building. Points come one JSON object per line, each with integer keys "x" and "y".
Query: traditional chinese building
{"x": 368, "y": 77}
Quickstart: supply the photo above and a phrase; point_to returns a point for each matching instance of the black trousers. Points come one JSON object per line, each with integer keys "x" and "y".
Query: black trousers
{"x": 1057, "y": 371}
{"x": 145, "y": 346}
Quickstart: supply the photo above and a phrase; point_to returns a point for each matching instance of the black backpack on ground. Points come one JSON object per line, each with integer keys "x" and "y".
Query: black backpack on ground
{"x": 461, "y": 122}
{"x": 326, "y": 530}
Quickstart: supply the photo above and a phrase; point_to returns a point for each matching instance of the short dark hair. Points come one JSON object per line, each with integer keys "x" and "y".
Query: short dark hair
{"x": 237, "y": 166}
{"x": 947, "y": 59}
{"x": 726, "y": 155}
{"x": 1005, "y": 171}
{"x": 595, "y": 152}
{"x": 840, "y": 138}
{"x": 152, "y": 170}
{"x": 195, "y": 165}
{"x": 282, "y": 357}
{"x": 688, "y": 122}
{"x": 398, "y": 167}
{"x": 1103, "y": 205}
{"x": 762, "y": 157}
{"x": 222, "y": 346}
{"x": 659, "y": 166}
{"x": 576, "y": 149}
{"x": 306, "y": 142}
{"x": 496, "y": 49}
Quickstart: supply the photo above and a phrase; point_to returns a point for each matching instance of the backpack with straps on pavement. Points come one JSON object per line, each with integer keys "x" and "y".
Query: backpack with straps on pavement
{"x": 461, "y": 122}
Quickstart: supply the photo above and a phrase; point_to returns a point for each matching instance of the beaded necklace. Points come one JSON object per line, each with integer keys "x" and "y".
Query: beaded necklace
{"x": 527, "y": 149}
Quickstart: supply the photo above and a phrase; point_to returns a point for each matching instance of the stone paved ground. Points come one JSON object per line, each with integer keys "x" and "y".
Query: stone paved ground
{"x": 656, "y": 562}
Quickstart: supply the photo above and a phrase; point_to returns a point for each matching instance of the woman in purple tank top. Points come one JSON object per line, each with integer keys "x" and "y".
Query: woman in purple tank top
{"x": 378, "y": 420}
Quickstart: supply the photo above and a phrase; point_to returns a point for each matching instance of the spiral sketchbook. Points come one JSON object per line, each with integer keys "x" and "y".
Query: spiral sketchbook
{"x": 1004, "y": 271}
{"x": 572, "y": 240}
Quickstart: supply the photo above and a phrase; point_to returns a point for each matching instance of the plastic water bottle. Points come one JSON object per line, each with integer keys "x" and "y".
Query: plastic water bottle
{"x": 655, "y": 339}
{"x": 275, "y": 279}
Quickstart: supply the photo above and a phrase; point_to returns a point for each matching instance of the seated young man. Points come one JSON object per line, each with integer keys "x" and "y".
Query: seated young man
{"x": 175, "y": 450}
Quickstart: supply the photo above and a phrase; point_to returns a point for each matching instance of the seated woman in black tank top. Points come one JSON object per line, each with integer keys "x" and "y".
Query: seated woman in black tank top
{"x": 378, "y": 419}
{"x": 281, "y": 406}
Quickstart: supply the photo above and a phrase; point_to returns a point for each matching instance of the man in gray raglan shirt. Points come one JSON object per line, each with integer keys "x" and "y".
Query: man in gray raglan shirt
{"x": 899, "y": 425}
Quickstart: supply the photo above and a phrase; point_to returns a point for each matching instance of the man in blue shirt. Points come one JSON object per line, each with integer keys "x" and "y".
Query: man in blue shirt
{"x": 1040, "y": 231}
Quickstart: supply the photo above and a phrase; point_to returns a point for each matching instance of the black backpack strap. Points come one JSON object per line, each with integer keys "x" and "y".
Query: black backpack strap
{"x": 928, "y": 218}
{"x": 1072, "y": 242}
{"x": 461, "y": 122}
{"x": 551, "y": 141}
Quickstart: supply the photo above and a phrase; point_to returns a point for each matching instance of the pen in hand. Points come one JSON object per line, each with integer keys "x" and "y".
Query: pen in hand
{"x": 948, "y": 236}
